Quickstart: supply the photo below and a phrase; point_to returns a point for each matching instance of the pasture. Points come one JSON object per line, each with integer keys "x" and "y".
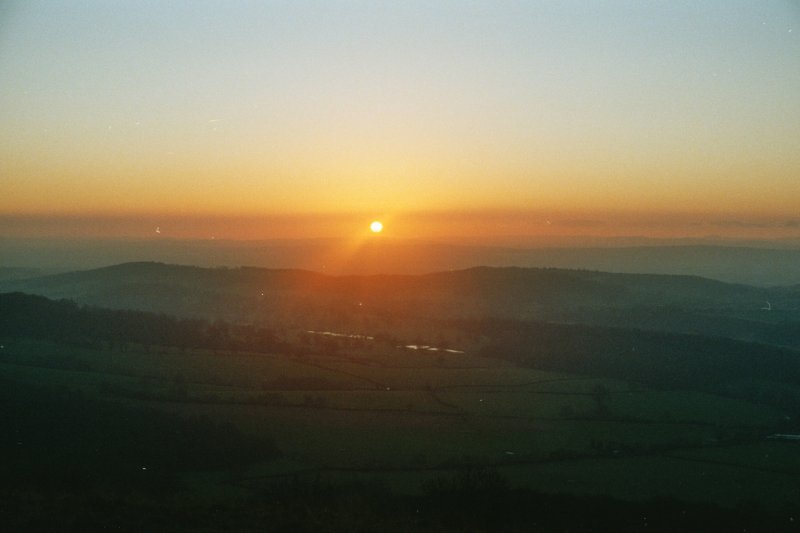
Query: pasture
{"x": 404, "y": 418}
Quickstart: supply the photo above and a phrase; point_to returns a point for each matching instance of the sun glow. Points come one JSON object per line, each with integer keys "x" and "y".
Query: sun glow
{"x": 376, "y": 226}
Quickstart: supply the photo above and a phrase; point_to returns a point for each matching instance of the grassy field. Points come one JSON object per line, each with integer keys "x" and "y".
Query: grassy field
{"x": 405, "y": 418}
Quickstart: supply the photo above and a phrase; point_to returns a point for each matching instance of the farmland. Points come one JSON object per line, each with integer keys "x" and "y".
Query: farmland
{"x": 361, "y": 417}
{"x": 406, "y": 418}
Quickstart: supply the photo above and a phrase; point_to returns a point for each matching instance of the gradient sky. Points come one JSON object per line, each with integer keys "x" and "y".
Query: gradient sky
{"x": 466, "y": 117}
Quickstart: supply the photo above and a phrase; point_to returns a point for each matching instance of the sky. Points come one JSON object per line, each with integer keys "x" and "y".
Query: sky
{"x": 292, "y": 119}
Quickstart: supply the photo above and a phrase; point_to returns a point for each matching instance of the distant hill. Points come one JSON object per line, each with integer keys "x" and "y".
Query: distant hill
{"x": 507, "y": 290}
{"x": 11, "y": 273}
{"x": 763, "y": 264}
{"x": 684, "y": 304}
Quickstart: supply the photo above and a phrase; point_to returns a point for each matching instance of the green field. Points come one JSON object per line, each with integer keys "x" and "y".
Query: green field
{"x": 405, "y": 418}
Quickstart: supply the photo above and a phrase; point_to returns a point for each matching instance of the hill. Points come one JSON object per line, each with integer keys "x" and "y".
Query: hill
{"x": 685, "y": 304}
{"x": 760, "y": 263}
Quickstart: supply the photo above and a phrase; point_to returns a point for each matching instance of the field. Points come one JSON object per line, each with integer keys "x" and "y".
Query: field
{"x": 404, "y": 419}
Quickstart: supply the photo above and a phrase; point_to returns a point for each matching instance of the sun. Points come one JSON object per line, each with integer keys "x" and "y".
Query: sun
{"x": 376, "y": 226}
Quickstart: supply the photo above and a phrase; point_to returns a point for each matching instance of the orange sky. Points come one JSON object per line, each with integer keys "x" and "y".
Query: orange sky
{"x": 308, "y": 119}
{"x": 499, "y": 227}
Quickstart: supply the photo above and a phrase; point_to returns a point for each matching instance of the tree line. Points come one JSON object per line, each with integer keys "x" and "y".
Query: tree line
{"x": 24, "y": 315}
{"x": 666, "y": 360}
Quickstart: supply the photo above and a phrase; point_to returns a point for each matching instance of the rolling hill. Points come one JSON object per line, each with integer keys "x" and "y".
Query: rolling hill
{"x": 684, "y": 304}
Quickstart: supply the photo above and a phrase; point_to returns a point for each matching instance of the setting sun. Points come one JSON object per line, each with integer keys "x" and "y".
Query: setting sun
{"x": 376, "y": 226}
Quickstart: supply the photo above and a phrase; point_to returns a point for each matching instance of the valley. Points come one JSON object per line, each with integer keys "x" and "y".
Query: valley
{"x": 411, "y": 383}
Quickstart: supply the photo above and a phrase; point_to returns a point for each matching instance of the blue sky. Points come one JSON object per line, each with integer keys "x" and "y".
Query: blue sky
{"x": 397, "y": 107}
